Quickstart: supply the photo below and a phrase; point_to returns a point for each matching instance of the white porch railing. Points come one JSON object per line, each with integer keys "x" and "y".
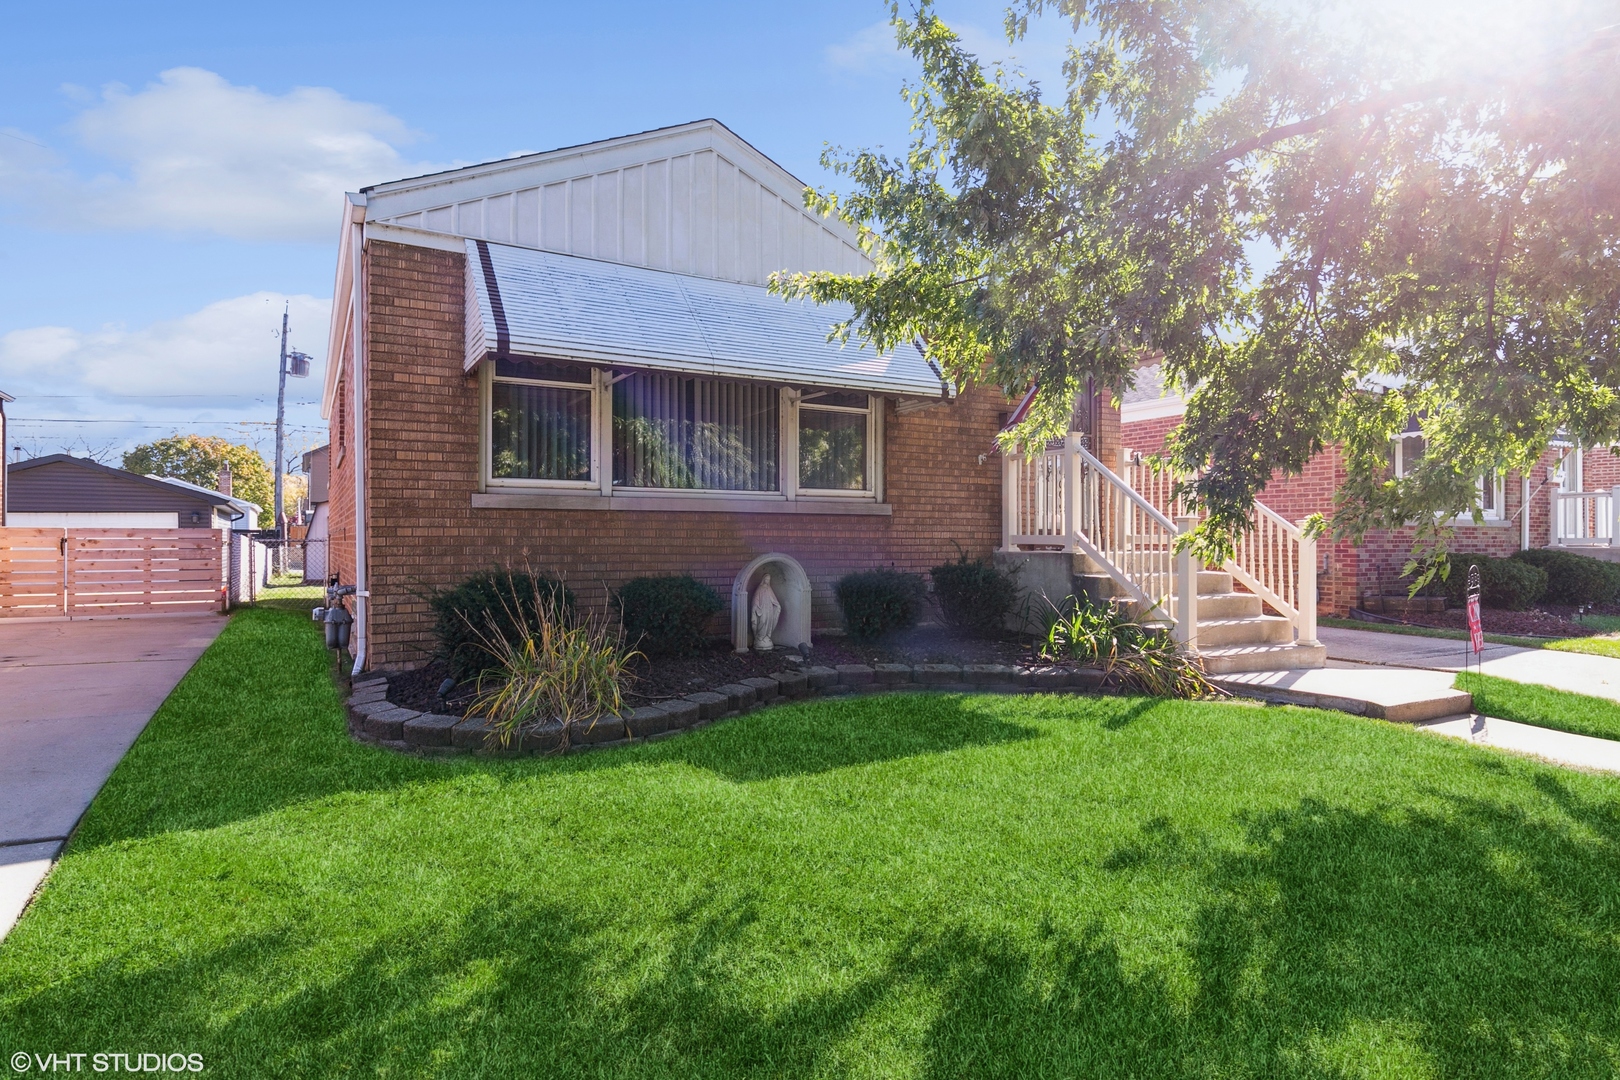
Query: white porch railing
{"x": 1276, "y": 561}
{"x": 1064, "y": 499}
{"x": 1584, "y": 518}
{"x": 1128, "y": 523}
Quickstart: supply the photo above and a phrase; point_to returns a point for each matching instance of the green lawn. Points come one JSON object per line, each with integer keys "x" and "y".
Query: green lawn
{"x": 927, "y": 886}
{"x": 1542, "y": 706}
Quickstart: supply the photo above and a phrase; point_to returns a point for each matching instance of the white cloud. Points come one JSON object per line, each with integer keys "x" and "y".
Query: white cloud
{"x": 1039, "y": 55}
{"x": 194, "y": 153}
{"x": 211, "y": 371}
{"x": 869, "y": 50}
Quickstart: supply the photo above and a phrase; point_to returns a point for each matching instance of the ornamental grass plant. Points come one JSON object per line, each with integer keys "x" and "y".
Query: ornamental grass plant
{"x": 1132, "y": 656}
{"x": 550, "y": 663}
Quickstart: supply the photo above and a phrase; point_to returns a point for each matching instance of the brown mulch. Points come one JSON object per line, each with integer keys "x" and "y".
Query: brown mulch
{"x": 664, "y": 677}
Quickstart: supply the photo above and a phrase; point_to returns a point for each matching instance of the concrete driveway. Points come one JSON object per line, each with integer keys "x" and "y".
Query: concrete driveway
{"x": 73, "y": 697}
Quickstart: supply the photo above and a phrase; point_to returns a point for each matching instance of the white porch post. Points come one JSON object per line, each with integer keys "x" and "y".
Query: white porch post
{"x": 1186, "y": 628}
{"x": 1552, "y": 516}
{"x": 1009, "y": 495}
{"x": 1305, "y": 600}
{"x": 1614, "y": 516}
{"x": 1071, "y": 492}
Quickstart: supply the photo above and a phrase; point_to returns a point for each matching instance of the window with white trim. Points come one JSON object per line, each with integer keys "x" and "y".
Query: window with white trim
{"x": 1408, "y": 448}
{"x": 556, "y": 424}
{"x": 835, "y": 442}
{"x": 540, "y": 421}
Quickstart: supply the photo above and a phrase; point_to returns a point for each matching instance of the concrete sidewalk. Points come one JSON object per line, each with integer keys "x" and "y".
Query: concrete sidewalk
{"x": 76, "y": 694}
{"x": 1598, "y": 676}
{"x": 1581, "y": 751}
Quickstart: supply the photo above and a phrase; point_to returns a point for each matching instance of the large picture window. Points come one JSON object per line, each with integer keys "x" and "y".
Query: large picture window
{"x": 834, "y": 442}
{"x": 677, "y": 431}
{"x": 540, "y": 421}
{"x": 640, "y": 434}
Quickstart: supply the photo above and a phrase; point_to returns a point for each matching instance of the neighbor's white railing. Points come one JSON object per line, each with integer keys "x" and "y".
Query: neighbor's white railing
{"x": 1584, "y": 518}
{"x": 1063, "y": 498}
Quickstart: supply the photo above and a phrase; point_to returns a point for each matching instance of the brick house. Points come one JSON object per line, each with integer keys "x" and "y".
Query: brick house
{"x": 569, "y": 361}
{"x": 1566, "y": 500}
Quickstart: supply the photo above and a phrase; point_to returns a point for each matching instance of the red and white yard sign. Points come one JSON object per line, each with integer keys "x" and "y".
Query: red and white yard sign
{"x": 1476, "y": 633}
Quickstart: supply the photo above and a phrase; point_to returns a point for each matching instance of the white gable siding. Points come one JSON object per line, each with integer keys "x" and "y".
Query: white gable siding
{"x": 689, "y": 200}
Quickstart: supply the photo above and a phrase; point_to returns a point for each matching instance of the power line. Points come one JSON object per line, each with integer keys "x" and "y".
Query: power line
{"x": 146, "y": 423}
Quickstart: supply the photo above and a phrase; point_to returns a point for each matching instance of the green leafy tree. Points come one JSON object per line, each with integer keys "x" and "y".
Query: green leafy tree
{"x": 197, "y": 459}
{"x": 1324, "y": 222}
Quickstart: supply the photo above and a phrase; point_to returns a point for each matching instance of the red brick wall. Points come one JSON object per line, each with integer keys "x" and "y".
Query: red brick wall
{"x": 423, "y": 462}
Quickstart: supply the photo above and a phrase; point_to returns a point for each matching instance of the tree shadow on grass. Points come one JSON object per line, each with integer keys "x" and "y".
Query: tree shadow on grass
{"x": 838, "y": 733}
{"x": 1332, "y": 942}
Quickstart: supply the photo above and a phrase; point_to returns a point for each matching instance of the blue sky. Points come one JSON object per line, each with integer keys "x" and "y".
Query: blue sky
{"x": 171, "y": 174}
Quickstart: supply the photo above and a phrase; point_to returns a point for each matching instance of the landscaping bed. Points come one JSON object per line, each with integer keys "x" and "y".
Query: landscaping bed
{"x": 663, "y": 677}
{"x": 1497, "y": 621}
{"x": 890, "y": 885}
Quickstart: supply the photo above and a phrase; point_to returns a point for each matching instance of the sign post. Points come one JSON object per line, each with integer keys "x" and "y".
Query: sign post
{"x": 1476, "y": 632}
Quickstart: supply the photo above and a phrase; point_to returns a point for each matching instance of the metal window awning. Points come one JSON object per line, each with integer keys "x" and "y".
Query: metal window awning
{"x": 527, "y": 303}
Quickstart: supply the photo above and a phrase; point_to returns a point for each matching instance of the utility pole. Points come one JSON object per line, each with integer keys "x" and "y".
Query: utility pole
{"x": 281, "y": 413}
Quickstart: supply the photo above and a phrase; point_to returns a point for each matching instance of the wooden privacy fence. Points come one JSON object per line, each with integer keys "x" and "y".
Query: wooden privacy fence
{"x": 79, "y": 573}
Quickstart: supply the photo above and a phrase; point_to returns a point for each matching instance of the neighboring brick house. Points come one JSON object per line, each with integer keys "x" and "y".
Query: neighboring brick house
{"x": 1350, "y": 571}
{"x": 568, "y": 361}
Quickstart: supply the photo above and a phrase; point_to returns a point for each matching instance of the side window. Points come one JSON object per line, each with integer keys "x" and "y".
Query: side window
{"x": 835, "y": 442}
{"x": 540, "y": 421}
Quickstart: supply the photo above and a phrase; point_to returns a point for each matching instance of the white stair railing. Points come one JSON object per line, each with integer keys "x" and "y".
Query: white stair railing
{"x": 1064, "y": 498}
{"x": 1276, "y": 561}
{"x": 1273, "y": 559}
{"x": 1584, "y": 518}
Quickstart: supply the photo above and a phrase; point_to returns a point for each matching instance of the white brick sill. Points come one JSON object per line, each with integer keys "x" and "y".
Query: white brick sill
{"x": 700, "y": 504}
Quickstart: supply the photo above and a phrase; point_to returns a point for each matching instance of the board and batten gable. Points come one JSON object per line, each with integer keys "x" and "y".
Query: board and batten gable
{"x": 694, "y": 199}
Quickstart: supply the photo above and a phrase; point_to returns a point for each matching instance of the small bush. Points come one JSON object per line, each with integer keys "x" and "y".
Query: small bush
{"x": 877, "y": 601}
{"x": 1574, "y": 579}
{"x": 975, "y": 595}
{"x": 490, "y": 605}
{"x": 665, "y": 616}
{"x": 555, "y": 668}
{"x": 1504, "y": 583}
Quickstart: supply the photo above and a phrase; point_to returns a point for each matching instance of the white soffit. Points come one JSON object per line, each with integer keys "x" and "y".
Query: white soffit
{"x": 694, "y": 199}
{"x": 527, "y": 303}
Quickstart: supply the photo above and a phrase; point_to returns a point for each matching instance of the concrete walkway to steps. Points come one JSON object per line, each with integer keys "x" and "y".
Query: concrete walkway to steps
{"x": 1597, "y": 676}
{"x": 73, "y": 697}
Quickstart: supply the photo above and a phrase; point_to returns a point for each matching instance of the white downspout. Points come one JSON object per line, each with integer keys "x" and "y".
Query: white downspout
{"x": 357, "y": 324}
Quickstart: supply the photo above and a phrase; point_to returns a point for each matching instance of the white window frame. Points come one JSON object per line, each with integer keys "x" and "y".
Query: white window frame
{"x": 487, "y": 426}
{"x": 601, "y": 481}
{"x": 806, "y": 399}
{"x": 1497, "y": 514}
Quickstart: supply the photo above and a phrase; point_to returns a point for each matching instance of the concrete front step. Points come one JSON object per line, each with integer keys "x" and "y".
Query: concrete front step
{"x": 1234, "y": 659}
{"x": 1253, "y": 630}
{"x": 1404, "y": 695}
{"x": 1214, "y": 581}
{"x": 1228, "y": 605}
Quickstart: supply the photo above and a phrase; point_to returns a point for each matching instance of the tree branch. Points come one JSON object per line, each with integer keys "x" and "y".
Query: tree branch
{"x": 1333, "y": 117}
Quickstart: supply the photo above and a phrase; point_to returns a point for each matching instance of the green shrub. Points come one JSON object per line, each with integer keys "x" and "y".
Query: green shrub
{"x": 1572, "y": 578}
{"x": 975, "y": 595}
{"x": 1504, "y": 583}
{"x": 665, "y": 616}
{"x": 489, "y": 605}
{"x": 877, "y": 601}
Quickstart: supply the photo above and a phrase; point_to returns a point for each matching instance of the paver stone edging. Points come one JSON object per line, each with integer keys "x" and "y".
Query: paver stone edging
{"x": 374, "y": 719}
